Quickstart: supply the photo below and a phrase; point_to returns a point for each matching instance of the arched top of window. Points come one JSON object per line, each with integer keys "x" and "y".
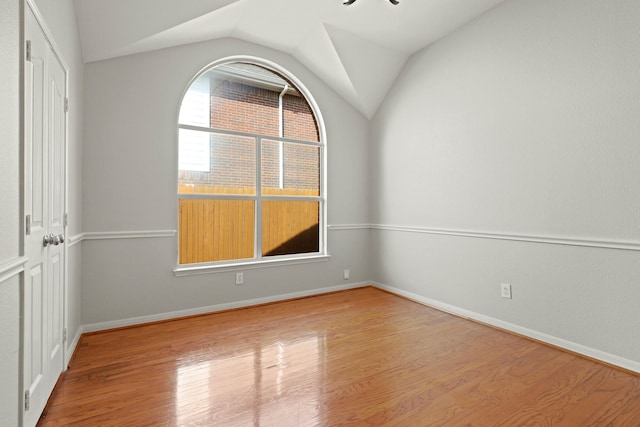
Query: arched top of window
{"x": 254, "y": 93}
{"x": 251, "y": 166}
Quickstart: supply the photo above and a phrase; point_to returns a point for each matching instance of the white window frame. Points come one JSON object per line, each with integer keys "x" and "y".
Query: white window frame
{"x": 259, "y": 261}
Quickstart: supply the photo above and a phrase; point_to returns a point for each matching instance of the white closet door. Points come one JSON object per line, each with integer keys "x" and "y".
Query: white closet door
{"x": 45, "y": 136}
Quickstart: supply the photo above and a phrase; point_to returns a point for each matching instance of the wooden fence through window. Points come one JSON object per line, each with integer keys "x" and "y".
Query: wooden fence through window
{"x": 223, "y": 229}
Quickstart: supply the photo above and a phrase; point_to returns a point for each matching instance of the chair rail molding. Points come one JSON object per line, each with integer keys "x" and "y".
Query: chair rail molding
{"x": 628, "y": 245}
{"x": 343, "y": 227}
{"x": 141, "y": 234}
{"x": 12, "y": 268}
{"x": 551, "y": 240}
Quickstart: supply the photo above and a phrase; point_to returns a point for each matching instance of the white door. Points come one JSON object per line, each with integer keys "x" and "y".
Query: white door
{"x": 44, "y": 199}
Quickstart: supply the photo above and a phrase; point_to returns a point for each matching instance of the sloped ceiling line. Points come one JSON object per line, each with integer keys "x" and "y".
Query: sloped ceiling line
{"x": 357, "y": 50}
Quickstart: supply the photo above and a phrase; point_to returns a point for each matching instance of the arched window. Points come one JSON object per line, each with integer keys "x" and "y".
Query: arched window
{"x": 251, "y": 167}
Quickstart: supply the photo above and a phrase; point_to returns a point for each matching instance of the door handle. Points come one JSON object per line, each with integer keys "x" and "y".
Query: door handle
{"x": 52, "y": 239}
{"x": 47, "y": 240}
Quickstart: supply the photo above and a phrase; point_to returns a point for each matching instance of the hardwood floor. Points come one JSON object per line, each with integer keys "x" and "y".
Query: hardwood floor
{"x": 361, "y": 357}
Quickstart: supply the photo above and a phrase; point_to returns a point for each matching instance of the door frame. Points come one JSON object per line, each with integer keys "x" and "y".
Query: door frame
{"x": 48, "y": 34}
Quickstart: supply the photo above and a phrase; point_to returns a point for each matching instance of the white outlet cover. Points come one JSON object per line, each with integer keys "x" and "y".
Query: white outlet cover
{"x": 505, "y": 289}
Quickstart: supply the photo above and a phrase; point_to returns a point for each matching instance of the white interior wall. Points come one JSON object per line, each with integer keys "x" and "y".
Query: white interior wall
{"x": 523, "y": 122}
{"x": 10, "y": 130}
{"x": 10, "y": 351}
{"x": 10, "y": 12}
{"x": 522, "y": 125}
{"x": 60, "y": 18}
{"x": 130, "y": 184}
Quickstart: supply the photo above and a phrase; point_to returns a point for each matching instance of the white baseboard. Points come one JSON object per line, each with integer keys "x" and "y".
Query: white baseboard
{"x": 460, "y": 312}
{"x": 71, "y": 348}
{"x": 93, "y": 327}
{"x": 592, "y": 353}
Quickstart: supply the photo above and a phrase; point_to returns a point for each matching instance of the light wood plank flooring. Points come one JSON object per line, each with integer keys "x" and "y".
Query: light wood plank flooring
{"x": 358, "y": 358}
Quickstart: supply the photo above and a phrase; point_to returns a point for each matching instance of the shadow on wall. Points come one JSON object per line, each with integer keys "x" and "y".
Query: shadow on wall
{"x": 304, "y": 242}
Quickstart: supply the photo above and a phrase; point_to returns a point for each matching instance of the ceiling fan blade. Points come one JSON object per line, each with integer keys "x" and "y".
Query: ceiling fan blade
{"x": 348, "y": 2}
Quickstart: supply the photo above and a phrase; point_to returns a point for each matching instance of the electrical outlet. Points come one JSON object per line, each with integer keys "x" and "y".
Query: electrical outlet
{"x": 505, "y": 290}
{"x": 346, "y": 274}
{"x": 239, "y": 278}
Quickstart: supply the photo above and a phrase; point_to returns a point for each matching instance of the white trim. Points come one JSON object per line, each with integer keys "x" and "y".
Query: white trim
{"x": 71, "y": 348}
{"x": 602, "y": 356}
{"x": 48, "y": 35}
{"x": 74, "y": 240}
{"x": 342, "y": 227}
{"x": 145, "y": 234}
{"x": 12, "y": 268}
{"x": 457, "y": 311}
{"x": 254, "y": 136}
{"x": 206, "y": 196}
{"x": 322, "y": 144}
{"x": 196, "y": 269}
{"x": 93, "y": 327}
{"x": 551, "y": 240}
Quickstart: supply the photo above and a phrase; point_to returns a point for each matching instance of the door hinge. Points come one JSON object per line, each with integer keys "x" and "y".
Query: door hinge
{"x": 65, "y": 220}
{"x": 28, "y": 50}
{"x": 66, "y": 105}
{"x": 27, "y": 225}
{"x": 27, "y": 396}
{"x": 64, "y": 335}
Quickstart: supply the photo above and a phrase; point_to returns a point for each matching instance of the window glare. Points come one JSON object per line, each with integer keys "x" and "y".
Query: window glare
{"x": 194, "y": 153}
{"x": 196, "y": 105}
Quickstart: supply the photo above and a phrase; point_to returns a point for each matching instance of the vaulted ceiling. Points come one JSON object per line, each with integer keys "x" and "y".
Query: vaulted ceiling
{"x": 358, "y": 50}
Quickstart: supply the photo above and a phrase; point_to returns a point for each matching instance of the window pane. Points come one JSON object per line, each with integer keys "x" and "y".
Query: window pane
{"x": 223, "y": 167}
{"x": 230, "y": 163}
{"x": 290, "y": 227}
{"x": 298, "y": 119}
{"x": 194, "y": 152}
{"x": 216, "y": 230}
{"x": 196, "y": 105}
{"x": 290, "y": 169}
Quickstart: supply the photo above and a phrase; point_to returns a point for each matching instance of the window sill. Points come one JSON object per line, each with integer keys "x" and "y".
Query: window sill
{"x": 195, "y": 269}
